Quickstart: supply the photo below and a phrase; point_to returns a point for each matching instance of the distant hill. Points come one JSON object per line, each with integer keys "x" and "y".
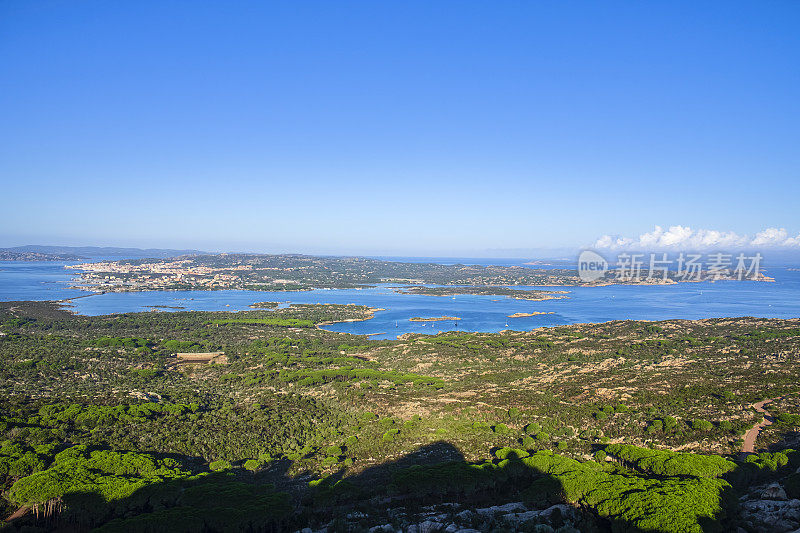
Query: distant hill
{"x": 99, "y": 251}
{"x": 8, "y": 255}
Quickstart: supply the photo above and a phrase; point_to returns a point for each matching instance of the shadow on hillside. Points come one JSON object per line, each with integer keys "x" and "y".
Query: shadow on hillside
{"x": 239, "y": 501}
{"x": 787, "y": 439}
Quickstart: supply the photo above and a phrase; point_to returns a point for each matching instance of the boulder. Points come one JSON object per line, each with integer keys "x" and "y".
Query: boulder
{"x": 774, "y": 492}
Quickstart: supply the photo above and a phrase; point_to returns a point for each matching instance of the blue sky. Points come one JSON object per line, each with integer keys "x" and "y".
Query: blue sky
{"x": 424, "y": 128}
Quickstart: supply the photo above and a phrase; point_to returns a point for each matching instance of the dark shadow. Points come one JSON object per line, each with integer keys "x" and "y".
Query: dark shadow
{"x": 787, "y": 439}
{"x": 436, "y": 474}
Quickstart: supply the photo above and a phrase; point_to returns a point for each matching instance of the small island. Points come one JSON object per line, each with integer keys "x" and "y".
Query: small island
{"x": 264, "y": 305}
{"x": 520, "y": 315}
{"x": 433, "y": 318}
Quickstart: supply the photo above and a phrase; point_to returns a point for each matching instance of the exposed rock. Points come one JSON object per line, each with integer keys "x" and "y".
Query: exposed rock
{"x": 774, "y": 492}
{"x": 507, "y": 508}
{"x": 428, "y": 526}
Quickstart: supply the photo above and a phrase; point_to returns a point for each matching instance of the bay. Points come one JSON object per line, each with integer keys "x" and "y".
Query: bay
{"x": 781, "y": 299}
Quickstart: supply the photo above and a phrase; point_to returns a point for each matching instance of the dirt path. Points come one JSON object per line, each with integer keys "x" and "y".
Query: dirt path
{"x": 749, "y": 445}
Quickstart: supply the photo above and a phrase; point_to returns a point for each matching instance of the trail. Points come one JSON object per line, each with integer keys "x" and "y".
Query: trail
{"x": 749, "y": 445}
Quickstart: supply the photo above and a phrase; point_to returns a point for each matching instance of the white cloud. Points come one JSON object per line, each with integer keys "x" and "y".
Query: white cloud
{"x": 685, "y": 238}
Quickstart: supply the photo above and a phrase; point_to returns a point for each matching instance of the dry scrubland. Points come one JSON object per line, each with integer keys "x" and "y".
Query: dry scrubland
{"x": 296, "y": 426}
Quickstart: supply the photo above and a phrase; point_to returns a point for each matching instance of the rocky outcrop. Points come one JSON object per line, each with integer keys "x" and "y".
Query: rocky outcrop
{"x": 449, "y": 518}
{"x": 767, "y": 509}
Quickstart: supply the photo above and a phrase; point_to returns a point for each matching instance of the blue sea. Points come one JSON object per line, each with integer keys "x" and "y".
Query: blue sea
{"x": 781, "y": 299}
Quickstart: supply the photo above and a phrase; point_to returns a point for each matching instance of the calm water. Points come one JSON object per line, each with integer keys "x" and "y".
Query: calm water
{"x": 36, "y": 280}
{"x": 48, "y": 281}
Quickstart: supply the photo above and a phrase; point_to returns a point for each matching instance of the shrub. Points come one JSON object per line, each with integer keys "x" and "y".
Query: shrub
{"x": 390, "y": 435}
{"x": 600, "y": 456}
{"x": 533, "y": 428}
{"x": 510, "y": 453}
{"x": 219, "y": 465}
{"x": 501, "y": 428}
{"x": 788, "y": 419}
{"x": 334, "y": 451}
{"x": 702, "y": 425}
{"x": 252, "y": 465}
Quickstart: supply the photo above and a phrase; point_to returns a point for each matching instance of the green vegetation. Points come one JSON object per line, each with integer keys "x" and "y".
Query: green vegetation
{"x": 99, "y": 428}
{"x": 281, "y": 323}
{"x": 630, "y": 501}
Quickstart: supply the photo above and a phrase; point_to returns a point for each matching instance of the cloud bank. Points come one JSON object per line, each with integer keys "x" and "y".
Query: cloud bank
{"x": 686, "y": 238}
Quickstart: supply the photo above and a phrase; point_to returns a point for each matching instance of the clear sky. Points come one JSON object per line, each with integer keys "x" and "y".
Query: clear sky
{"x": 427, "y": 128}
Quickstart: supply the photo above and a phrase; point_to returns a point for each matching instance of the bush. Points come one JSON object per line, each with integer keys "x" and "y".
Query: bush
{"x": 510, "y": 453}
{"x": 252, "y": 465}
{"x": 533, "y": 428}
{"x": 702, "y": 425}
{"x": 501, "y": 428}
{"x": 600, "y": 456}
{"x": 390, "y": 435}
{"x": 788, "y": 419}
{"x": 330, "y": 461}
{"x": 334, "y": 451}
{"x": 219, "y": 465}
